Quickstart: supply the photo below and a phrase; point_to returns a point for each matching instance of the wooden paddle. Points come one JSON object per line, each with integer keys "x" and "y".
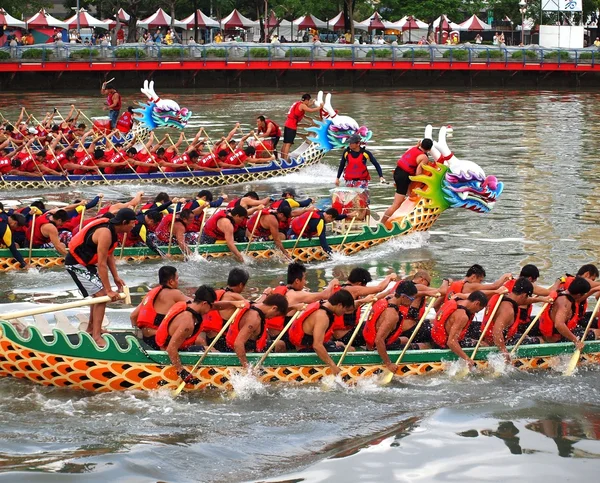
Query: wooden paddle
{"x": 31, "y": 237}
{"x": 529, "y": 327}
{"x": 208, "y": 349}
{"x": 363, "y": 317}
{"x": 253, "y": 230}
{"x": 387, "y": 376}
{"x": 301, "y": 233}
{"x": 341, "y": 247}
{"x": 69, "y": 305}
{"x": 577, "y": 354}
{"x": 172, "y": 228}
{"x": 487, "y": 326}
{"x": 279, "y": 337}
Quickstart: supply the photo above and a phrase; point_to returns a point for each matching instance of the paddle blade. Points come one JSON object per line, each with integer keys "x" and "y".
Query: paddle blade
{"x": 177, "y": 391}
{"x": 386, "y": 378}
{"x": 572, "y": 363}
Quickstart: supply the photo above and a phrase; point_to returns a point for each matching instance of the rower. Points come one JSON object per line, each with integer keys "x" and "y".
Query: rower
{"x": 357, "y": 286}
{"x": 558, "y": 322}
{"x": 315, "y": 227}
{"x": 90, "y": 258}
{"x": 296, "y": 293}
{"x": 242, "y": 155}
{"x": 146, "y": 224}
{"x": 505, "y": 328}
{"x": 45, "y": 231}
{"x": 452, "y": 322}
{"x": 473, "y": 281}
{"x": 410, "y": 164}
{"x": 212, "y": 322}
{"x": 181, "y": 232}
{"x": 383, "y": 329}
{"x": 9, "y": 223}
{"x": 221, "y": 226}
{"x": 312, "y": 330}
{"x": 181, "y": 326}
{"x": 589, "y": 272}
{"x": 268, "y": 131}
{"x": 294, "y": 117}
{"x": 267, "y": 227}
{"x": 154, "y": 307}
{"x": 248, "y": 332}
{"x": 353, "y": 165}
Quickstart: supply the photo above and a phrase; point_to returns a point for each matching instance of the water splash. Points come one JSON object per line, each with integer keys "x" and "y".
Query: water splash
{"x": 245, "y": 384}
{"x": 498, "y": 365}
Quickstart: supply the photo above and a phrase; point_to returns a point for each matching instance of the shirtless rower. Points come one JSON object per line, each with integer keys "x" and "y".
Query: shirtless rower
{"x": 154, "y": 307}
{"x": 473, "y": 281}
{"x": 452, "y": 322}
{"x": 267, "y": 226}
{"x": 313, "y": 329}
{"x": 221, "y": 226}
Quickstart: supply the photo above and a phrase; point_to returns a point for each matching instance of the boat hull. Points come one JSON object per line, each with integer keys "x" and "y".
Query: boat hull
{"x": 124, "y": 365}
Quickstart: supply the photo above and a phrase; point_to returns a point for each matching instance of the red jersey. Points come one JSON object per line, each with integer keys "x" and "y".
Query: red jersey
{"x": 275, "y": 132}
{"x": 408, "y": 161}
{"x": 125, "y": 122}
{"x": 294, "y": 116}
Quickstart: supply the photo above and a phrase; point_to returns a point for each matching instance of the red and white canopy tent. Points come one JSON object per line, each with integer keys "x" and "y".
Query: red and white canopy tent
{"x": 204, "y": 21}
{"x": 159, "y": 19}
{"x": 309, "y": 22}
{"x": 123, "y": 16}
{"x": 410, "y": 23}
{"x": 374, "y": 22}
{"x": 236, "y": 20}
{"x": 337, "y": 22}
{"x": 446, "y": 24}
{"x": 7, "y": 20}
{"x": 45, "y": 20}
{"x": 86, "y": 21}
{"x": 474, "y": 23}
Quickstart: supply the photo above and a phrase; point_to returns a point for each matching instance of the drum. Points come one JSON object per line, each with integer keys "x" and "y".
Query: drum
{"x": 346, "y": 200}
{"x": 101, "y": 124}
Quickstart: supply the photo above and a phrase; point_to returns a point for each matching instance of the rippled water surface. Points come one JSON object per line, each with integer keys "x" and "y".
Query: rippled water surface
{"x": 540, "y": 427}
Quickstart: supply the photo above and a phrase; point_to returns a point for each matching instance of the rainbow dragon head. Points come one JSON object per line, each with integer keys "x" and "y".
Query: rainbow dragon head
{"x": 335, "y": 130}
{"x": 159, "y": 112}
{"x": 455, "y": 183}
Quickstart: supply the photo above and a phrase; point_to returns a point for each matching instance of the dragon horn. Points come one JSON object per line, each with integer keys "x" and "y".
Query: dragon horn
{"x": 327, "y": 105}
{"x": 435, "y": 153}
{"x": 154, "y": 96}
{"x": 442, "y": 145}
{"x": 145, "y": 89}
{"x": 320, "y": 98}
{"x": 429, "y": 132}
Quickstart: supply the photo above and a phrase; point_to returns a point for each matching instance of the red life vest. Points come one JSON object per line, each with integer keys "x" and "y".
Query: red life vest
{"x": 38, "y": 238}
{"x": 237, "y": 158}
{"x": 234, "y": 330}
{"x": 83, "y": 249}
{"x": 438, "y": 332}
{"x": 276, "y": 133}
{"x": 356, "y": 167}
{"x": 582, "y": 305}
{"x": 454, "y": 288}
{"x": 547, "y": 324}
{"x": 162, "y": 336}
{"x": 408, "y": 162}
{"x": 370, "y": 329}
{"x": 260, "y": 231}
{"x": 147, "y": 315}
{"x": 163, "y": 230}
{"x": 109, "y": 101}
{"x": 298, "y": 222}
{"x": 514, "y": 327}
{"x": 294, "y": 116}
{"x": 125, "y": 122}
{"x": 212, "y": 230}
{"x": 212, "y": 321}
{"x": 296, "y": 333}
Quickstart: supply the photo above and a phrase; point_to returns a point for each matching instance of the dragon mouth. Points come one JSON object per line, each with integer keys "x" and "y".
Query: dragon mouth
{"x": 472, "y": 192}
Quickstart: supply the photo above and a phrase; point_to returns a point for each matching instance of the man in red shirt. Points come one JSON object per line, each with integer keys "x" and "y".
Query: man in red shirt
{"x": 294, "y": 116}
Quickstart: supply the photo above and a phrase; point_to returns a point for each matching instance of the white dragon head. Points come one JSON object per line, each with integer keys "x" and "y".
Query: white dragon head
{"x": 159, "y": 112}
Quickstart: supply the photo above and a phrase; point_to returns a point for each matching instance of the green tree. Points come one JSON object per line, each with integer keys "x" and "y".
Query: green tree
{"x": 17, "y": 8}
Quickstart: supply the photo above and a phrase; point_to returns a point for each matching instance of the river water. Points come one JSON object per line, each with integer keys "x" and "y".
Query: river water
{"x": 543, "y": 427}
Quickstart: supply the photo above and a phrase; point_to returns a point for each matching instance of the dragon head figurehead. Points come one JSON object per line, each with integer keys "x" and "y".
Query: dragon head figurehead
{"x": 335, "y": 129}
{"x": 455, "y": 183}
{"x": 159, "y": 112}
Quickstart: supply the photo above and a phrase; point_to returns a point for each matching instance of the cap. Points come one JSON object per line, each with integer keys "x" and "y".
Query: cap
{"x": 32, "y": 130}
{"x": 289, "y": 191}
{"x": 124, "y": 214}
{"x": 355, "y": 138}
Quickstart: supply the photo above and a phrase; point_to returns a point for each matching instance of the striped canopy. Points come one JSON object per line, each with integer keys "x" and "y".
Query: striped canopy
{"x": 42, "y": 19}
{"x": 446, "y": 23}
{"x": 159, "y": 19}
{"x": 123, "y": 16}
{"x": 409, "y": 23}
{"x": 309, "y": 22}
{"x": 475, "y": 23}
{"x": 203, "y": 21}
{"x": 375, "y": 22}
{"x": 236, "y": 20}
{"x": 85, "y": 21}
{"x": 7, "y": 20}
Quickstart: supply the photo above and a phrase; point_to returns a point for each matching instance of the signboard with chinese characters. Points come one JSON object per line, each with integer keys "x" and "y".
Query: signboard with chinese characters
{"x": 562, "y": 5}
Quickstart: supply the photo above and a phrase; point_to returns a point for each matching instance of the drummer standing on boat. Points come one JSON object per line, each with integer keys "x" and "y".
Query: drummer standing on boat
{"x": 354, "y": 165}
{"x": 91, "y": 257}
{"x": 113, "y": 103}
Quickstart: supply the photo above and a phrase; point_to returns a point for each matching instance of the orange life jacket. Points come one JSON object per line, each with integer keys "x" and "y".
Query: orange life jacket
{"x": 454, "y": 288}
{"x": 147, "y": 315}
{"x": 301, "y": 340}
{"x": 162, "y": 336}
{"x": 298, "y": 222}
{"x": 212, "y": 321}
{"x": 83, "y": 249}
{"x": 278, "y": 322}
{"x": 370, "y": 329}
{"x": 439, "y": 333}
{"x": 547, "y": 327}
{"x": 514, "y": 327}
{"x": 234, "y": 330}
{"x": 583, "y": 304}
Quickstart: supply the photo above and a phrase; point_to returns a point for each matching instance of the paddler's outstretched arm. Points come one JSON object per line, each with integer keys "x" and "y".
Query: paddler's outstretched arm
{"x": 457, "y": 321}
{"x": 390, "y": 318}
{"x": 251, "y": 324}
{"x": 225, "y": 226}
{"x": 319, "y": 329}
